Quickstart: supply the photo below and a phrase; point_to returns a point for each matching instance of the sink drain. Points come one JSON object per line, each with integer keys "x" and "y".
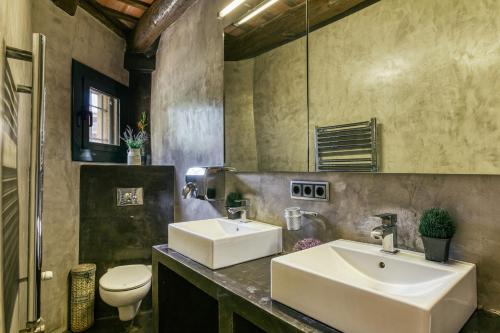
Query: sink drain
{"x": 381, "y": 264}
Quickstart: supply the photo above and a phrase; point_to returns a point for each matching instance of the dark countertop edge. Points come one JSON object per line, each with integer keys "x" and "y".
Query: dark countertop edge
{"x": 483, "y": 321}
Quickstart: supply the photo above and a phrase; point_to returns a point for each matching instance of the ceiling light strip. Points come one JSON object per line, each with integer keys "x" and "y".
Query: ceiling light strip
{"x": 229, "y": 8}
{"x": 259, "y": 9}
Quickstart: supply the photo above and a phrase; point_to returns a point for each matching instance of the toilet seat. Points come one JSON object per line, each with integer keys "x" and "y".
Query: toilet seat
{"x": 123, "y": 278}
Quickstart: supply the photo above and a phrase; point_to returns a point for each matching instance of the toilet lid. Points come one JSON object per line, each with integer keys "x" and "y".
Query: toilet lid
{"x": 123, "y": 278}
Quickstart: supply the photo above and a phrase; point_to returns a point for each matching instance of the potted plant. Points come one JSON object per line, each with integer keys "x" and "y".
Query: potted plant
{"x": 134, "y": 143}
{"x": 233, "y": 199}
{"x": 437, "y": 228}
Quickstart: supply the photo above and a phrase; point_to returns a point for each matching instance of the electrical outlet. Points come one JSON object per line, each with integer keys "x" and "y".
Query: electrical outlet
{"x": 320, "y": 191}
{"x": 296, "y": 190}
{"x": 309, "y": 190}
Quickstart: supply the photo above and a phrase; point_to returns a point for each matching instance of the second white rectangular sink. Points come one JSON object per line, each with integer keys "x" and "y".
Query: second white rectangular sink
{"x": 218, "y": 243}
{"x": 354, "y": 287}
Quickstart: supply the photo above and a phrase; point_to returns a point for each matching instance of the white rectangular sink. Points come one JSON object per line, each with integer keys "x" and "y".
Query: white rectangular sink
{"x": 355, "y": 288}
{"x": 218, "y": 243}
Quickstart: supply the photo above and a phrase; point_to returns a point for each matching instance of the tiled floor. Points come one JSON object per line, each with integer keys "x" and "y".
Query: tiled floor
{"x": 141, "y": 324}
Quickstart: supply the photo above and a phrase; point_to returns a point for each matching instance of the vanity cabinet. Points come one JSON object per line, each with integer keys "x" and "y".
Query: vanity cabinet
{"x": 189, "y": 297}
{"x": 189, "y": 304}
{"x": 183, "y": 307}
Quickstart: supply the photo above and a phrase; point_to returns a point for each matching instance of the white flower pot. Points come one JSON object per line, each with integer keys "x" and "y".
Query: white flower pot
{"x": 134, "y": 156}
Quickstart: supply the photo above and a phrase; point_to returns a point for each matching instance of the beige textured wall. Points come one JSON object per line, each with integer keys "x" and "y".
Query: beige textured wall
{"x": 239, "y": 118}
{"x": 270, "y": 111}
{"x": 15, "y": 31}
{"x": 88, "y": 41}
{"x": 280, "y": 106}
{"x": 428, "y": 70}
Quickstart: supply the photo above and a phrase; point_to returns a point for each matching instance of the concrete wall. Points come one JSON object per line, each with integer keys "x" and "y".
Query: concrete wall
{"x": 189, "y": 65}
{"x": 186, "y": 107}
{"x": 85, "y": 39}
{"x": 354, "y": 198}
{"x": 15, "y": 31}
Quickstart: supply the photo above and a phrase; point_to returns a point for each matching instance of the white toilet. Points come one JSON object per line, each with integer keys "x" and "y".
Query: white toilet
{"x": 125, "y": 287}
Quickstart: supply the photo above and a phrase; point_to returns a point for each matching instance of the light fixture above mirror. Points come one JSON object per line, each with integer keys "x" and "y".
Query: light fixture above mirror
{"x": 256, "y": 11}
{"x": 230, "y": 7}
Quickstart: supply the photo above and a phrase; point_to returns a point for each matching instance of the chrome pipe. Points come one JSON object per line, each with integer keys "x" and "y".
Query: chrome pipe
{"x": 36, "y": 180}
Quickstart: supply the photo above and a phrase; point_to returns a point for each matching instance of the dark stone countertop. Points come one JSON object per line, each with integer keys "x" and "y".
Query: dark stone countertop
{"x": 252, "y": 282}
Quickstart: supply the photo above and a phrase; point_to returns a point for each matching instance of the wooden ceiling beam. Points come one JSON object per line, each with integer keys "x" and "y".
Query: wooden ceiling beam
{"x": 136, "y": 3}
{"x": 155, "y": 20}
{"x": 268, "y": 32}
{"x": 69, "y": 6}
{"x": 93, "y": 8}
{"x": 117, "y": 14}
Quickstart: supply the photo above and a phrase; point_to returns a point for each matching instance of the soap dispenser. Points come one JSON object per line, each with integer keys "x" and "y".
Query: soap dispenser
{"x": 205, "y": 183}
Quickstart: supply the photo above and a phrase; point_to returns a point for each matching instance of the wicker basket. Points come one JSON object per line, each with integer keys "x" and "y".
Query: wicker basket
{"x": 82, "y": 297}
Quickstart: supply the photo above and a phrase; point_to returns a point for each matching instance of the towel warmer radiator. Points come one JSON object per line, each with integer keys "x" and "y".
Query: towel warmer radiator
{"x": 347, "y": 147}
{"x": 37, "y": 91}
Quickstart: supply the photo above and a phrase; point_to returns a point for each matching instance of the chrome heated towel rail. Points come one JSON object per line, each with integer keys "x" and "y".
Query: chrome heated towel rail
{"x": 37, "y": 90}
{"x": 347, "y": 147}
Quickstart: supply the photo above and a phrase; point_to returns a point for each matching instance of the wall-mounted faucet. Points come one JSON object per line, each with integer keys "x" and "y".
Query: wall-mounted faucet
{"x": 387, "y": 232}
{"x": 243, "y": 210}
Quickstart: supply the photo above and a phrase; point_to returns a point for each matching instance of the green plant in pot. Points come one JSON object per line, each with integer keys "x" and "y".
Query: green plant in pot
{"x": 233, "y": 199}
{"x": 437, "y": 228}
{"x": 134, "y": 142}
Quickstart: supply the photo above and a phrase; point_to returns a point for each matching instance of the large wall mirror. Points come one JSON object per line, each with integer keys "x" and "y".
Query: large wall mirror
{"x": 427, "y": 70}
{"x": 265, "y": 86}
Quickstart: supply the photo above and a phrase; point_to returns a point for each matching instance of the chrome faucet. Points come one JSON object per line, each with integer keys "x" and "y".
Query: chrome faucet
{"x": 387, "y": 232}
{"x": 243, "y": 210}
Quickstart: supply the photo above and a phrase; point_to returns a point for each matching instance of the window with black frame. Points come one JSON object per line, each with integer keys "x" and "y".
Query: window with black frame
{"x": 99, "y": 115}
